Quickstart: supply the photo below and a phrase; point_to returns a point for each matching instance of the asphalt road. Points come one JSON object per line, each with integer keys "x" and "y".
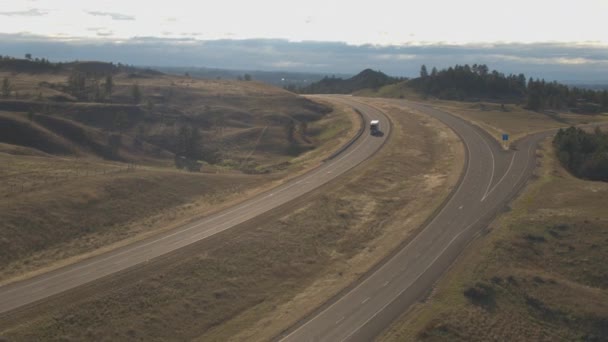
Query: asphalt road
{"x": 491, "y": 178}
{"x": 30, "y": 291}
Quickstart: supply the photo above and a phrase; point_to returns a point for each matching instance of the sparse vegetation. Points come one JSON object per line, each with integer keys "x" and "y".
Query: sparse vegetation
{"x": 514, "y": 120}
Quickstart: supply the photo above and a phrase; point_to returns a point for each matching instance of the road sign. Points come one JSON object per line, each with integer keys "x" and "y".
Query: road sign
{"x": 505, "y": 137}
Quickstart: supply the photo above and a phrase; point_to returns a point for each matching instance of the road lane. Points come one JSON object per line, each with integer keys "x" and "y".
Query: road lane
{"x": 491, "y": 177}
{"x": 29, "y": 291}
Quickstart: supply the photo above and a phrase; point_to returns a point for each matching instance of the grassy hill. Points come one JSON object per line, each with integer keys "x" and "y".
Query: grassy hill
{"x": 85, "y": 169}
{"x": 366, "y": 79}
{"x": 72, "y": 101}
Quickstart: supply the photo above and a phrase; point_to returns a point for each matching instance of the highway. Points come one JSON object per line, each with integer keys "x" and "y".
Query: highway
{"x": 490, "y": 179}
{"x": 30, "y": 291}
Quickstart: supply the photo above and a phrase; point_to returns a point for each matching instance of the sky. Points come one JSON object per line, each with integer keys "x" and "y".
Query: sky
{"x": 384, "y": 31}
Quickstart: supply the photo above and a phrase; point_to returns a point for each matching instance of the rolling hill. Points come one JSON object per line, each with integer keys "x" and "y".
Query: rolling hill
{"x": 366, "y": 79}
{"x": 141, "y": 116}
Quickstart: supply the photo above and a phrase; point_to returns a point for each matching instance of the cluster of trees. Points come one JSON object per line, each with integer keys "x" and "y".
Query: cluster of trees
{"x": 553, "y": 95}
{"x": 189, "y": 142}
{"x": 85, "y": 87}
{"x": 584, "y": 154}
{"x": 28, "y": 64}
{"x": 245, "y": 77}
{"x": 463, "y": 81}
{"x": 471, "y": 82}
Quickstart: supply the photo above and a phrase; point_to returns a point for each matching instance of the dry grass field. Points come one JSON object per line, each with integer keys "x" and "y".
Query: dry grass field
{"x": 245, "y": 125}
{"x": 537, "y": 274}
{"x": 66, "y": 195}
{"x": 254, "y": 281}
{"x": 513, "y": 119}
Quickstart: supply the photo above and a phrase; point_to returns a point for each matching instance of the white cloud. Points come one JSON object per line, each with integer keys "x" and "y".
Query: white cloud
{"x": 385, "y": 22}
{"x": 34, "y": 12}
{"x": 114, "y": 16}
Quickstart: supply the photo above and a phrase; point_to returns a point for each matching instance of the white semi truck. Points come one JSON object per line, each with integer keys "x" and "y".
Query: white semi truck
{"x": 374, "y": 127}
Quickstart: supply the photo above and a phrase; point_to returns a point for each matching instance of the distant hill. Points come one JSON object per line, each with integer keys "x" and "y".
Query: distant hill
{"x": 276, "y": 78}
{"x": 366, "y": 79}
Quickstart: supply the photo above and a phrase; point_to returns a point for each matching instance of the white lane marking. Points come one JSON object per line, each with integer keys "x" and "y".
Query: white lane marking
{"x": 411, "y": 283}
{"x": 493, "y": 162}
{"x": 385, "y": 283}
{"x": 503, "y": 177}
{"x": 466, "y": 173}
{"x": 460, "y": 208}
{"x": 365, "y": 300}
{"x": 432, "y": 262}
{"x": 206, "y": 221}
{"x": 340, "y": 320}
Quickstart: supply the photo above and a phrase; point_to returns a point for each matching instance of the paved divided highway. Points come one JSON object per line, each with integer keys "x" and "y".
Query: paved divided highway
{"x": 29, "y": 291}
{"x": 491, "y": 178}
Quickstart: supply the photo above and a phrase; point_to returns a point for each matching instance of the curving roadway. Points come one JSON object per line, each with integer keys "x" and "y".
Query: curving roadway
{"x": 491, "y": 177}
{"x": 19, "y": 294}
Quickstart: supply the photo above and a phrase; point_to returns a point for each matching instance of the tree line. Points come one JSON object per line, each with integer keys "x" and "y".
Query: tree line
{"x": 474, "y": 82}
{"x": 584, "y": 154}
{"x": 464, "y": 82}
{"x": 553, "y": 95}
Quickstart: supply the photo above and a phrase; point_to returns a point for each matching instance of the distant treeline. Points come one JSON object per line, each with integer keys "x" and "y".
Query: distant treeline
{"x": 31, "y": 64}
{"x": 584, "y": 154}
{"x": 553, "y": 95}
{"x": 464, "y": 82}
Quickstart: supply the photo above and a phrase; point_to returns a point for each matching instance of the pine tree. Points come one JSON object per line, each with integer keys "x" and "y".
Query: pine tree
{"x": 136, "y": 93}
{"x": 423, "y": 72}
{"x": 6, "y": 88}
{"x": 109, "y": 85}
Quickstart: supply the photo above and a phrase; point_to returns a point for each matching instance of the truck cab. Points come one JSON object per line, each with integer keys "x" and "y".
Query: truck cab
{"x": 374, "y": 127}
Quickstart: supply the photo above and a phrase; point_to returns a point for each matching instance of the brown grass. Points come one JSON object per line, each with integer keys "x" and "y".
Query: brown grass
{"x": 232, "y": 116}
{"x": 58, "y": 210}
{"x": 542, "y": 266}
{"x": 513, "y": 119}
{"x": 251, "y": 282}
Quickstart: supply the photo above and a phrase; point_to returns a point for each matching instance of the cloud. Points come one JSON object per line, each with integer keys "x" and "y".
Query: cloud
{"x": 105, "y": 33}
{"x": 397, "y": 57}
{"x": 34, "y": 12}
{"x": 551, "y": 61}
{"x": 101, "y": 31}
{"x": 113, "y": 16}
